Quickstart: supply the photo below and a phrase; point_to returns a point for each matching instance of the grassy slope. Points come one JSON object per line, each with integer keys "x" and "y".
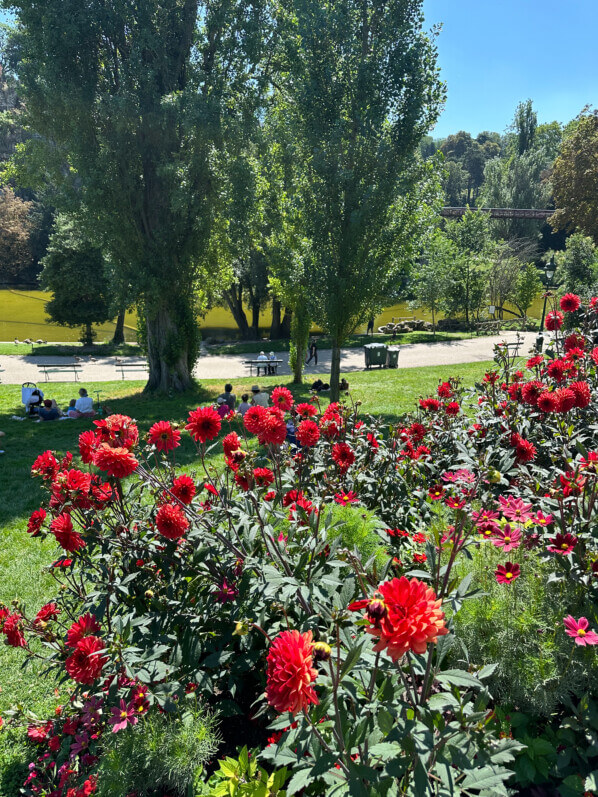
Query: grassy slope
{"x": 386, "y": 393}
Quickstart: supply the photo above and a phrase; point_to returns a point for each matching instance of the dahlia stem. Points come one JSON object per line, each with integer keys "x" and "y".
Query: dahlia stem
{"x": 338, "y": 733}
{"x": 324, "y": 744}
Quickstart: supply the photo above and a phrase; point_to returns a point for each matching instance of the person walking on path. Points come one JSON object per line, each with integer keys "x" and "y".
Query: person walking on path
{"x": 370, "y": 326}
{"x": 313, "y": 352}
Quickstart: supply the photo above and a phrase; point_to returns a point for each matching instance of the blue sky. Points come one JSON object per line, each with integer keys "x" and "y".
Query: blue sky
{"x": 493, "y": 55}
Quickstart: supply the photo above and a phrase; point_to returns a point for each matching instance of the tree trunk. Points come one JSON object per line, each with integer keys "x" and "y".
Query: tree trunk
{"x": 285, "y": 327}
{"x": 167, "y": 352}
{"x": 433, "y": 325}
{"x": 335, "y": 371}
{"x": 255, "y": 320}
{"x": 276, "y": 315}
{"x": 233, "y": 299}
{"x": 88, "y": 335}
{"x": 119, "y": 329}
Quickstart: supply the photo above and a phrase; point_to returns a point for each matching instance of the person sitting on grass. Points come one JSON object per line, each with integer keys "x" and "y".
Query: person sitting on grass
{"x": 49, "y": 412}
{"x": 71, "y": 411}
{"x": 229, "y": 396}
{"x": 84, "y": 405}
{"x": 259, "y": 398}
{"x": 222, "y": 407}
{"x": 244, "y": 405}
{"x": 344, "y": 385}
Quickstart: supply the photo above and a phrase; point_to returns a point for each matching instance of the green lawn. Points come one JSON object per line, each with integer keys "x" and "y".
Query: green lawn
{"x": 70, "y": 349}
{"x": 387, "y": 393}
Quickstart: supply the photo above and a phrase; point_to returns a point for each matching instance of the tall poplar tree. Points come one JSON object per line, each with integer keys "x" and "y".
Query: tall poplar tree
{"x": 360, "y": 88}
{"x": 138, "y": 98}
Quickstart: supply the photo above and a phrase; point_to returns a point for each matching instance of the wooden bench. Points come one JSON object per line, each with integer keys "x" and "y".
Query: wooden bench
{"x": 269, "y": 366}
{"x": 60, "y": 368}
{"x": 125, "y": 366}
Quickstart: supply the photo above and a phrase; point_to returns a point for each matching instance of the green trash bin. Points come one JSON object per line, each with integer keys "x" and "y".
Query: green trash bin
{"x": 392, "y": 357}
{"x": 375, "y": 354}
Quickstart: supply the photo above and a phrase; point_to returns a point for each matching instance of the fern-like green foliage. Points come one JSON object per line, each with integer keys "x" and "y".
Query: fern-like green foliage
{"x": 359, "y": 530}
{"x": 160, "y": 753}
{"x": 520, "y": 627}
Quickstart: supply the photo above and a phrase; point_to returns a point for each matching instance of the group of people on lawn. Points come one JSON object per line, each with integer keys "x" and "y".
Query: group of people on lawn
{"x": 48, "y": 410}
{"x": 226, "y": 402}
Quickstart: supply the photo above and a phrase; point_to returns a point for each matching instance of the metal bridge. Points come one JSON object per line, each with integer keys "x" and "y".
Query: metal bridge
{"x": 500, "y": 213}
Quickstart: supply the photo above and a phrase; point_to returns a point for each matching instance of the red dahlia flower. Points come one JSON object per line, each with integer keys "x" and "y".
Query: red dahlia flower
{"x": 171, "y": 521}
{"x": 48, "y": 612}
{"x": 291, "y": 672}
{"x": 69, "y": 539}
{"x": 117, "y": 462}
{"x": 444, "y": 390}
{"x": 562, "y": 544}
{"x": 570, "y": 303}
{"x": 531, "y": 391}
{"x": 452, "y": 408}
{"x": 86, "y": 625}
{"x": 307, "y": 433}
{"x": 345, "y": 499}
{"x": 273, "y": 429}
{"x": 306, "y": 410}
{"x": 263, "y": 477}
{"x": 85, "y": 663}
{"x": 538, "y": 359}
{"x": 412, "y": 617}
{"x": 231, "y": 443}
{"x": 252, "y": 420}
{"x": 525, "y": 451}
{"x": 566, "y": 399}
{"x": 429, "y": 404}
{"x": 282, "y": 398}
{"x": 12, "y": 628}
{"x": 39, "y": 733}
{"x": 203, "y": 424}
{"x": 183, "y": 488}
{"x": 119, "y": 431}
{"x": 343, "y": 455}
{"x": 583, "y": 395}
{"x": 574, "y": 341}
{"x": 547, "y": 402}
{"x": 578, "y": 629}
{"x": 436, "y": 493}
{"x": 554, "y": 320}
{"x": 45, "y": 465}
{"x": 507, "y": 573}
{"x": 88, "y": 442}
{"x": 35, "y": 522}
{"x": 290, "y": 497}
{"x": 164, "y": 436}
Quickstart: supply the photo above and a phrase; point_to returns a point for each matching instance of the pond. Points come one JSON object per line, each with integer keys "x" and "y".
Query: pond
{"x": 22, "y": 315}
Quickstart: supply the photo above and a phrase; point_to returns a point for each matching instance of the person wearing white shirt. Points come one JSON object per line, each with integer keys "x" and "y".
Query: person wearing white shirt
{"x": 259, "y": 398}
{"x": 84, "y": 405}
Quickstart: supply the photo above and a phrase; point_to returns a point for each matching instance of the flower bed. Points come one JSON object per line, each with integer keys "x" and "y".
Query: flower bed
{"x": 372, "y": 610}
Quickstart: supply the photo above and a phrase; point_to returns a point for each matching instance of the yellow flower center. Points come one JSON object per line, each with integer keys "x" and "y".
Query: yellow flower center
{"x": 507, "y": 539}
{"x": 123, "y": 714}
{"x": 581, "y": 632}
{"x": 564, "y": 546}
{"x": 508, "y": 575}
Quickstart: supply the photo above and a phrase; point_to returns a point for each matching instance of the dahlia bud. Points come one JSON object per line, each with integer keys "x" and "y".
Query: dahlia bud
{"x": 149, "y": 593}
{"x": 241, "y": 628}
{"x": 376, "y": 610}
{"x": 494, "y": 476}
{"x": 322, "y": 651}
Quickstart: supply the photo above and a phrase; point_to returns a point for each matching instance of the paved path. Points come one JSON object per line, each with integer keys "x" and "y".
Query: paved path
{"x": 19, "y": 369}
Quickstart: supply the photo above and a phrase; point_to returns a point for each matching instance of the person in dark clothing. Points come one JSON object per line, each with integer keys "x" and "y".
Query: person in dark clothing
{"x": 229, "y": 397}
{"x": 370, "y": 326}
{"x": 313, "y": 352}
{"x": 49, "y": 412}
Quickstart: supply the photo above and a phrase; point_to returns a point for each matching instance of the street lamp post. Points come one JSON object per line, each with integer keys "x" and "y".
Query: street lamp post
{"x": 549, "y": 273}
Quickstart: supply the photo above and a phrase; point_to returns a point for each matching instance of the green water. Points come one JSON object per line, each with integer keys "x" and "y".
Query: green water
{"x": 22, "y": 315}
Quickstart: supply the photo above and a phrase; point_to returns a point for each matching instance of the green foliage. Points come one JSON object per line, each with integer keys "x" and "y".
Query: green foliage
{"x": 354, "y": 132}
{"x": 578, "y": 265}
{"x": 521, "y": 629}
{"x": 242, "y": 777}
{"x": 527, "y": 287}
{"x": 160, "y": 752}
{"x": 430, "y": 275}
{"x": 359, "y": 529}
{"x": 574, "y": 177}
{"x": 75, "y": 273}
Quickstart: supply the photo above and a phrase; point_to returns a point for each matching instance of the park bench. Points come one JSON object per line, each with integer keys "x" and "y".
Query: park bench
{"x": 59, "y": 368}
{"x": 488, "y": 326}
{"x": 269, "y": 366}
{"x": 125, "y": 366}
